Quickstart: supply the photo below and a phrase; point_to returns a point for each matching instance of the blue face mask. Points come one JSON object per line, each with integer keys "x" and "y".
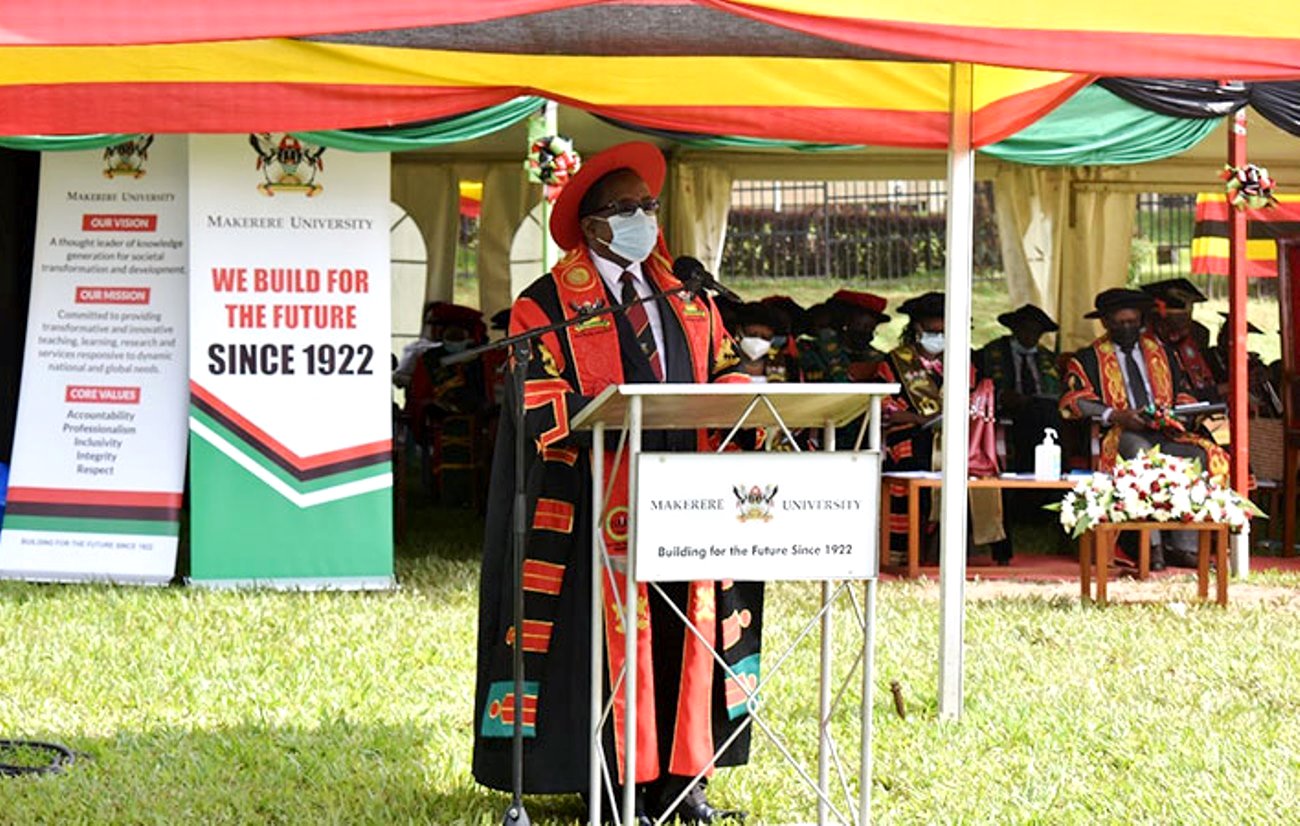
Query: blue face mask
{"x": 778, "y": 341}
{"x": 456, "y": 346}
{"x": 634, "y": 235}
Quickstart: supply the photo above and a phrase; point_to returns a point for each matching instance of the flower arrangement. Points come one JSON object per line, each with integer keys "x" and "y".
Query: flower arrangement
{"x": 1248, "y": 186}
{"x": 552, "y": 161}
{"x": 1153, "y": 487}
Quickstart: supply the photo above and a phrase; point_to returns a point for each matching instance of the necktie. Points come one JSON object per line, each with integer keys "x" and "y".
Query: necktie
{"x": 640, "y": 321}
{"x": 1028, "y": 384}
{"x": 1138, "y": 387}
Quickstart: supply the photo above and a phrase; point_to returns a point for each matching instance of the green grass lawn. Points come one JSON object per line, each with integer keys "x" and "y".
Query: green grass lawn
{"x": 192, "y": 706}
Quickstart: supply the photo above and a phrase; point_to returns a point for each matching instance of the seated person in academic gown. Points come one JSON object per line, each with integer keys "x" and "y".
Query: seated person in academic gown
{"x": 1118, "y": 377}
{"x": 1172, "y": 323}
{"x": 822, "y": 356}
{"x": 790, "y": 315}
{"x": 438, "y": 389}
{"x": 858, "y": 314}
{"x": 756, "y": 329}
{"x": 1026, "y": 380}
{"x": 1265, "y": 401}
{"x": 913, "y": 422}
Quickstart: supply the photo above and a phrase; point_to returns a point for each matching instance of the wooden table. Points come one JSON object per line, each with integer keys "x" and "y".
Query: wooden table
{"x": 914, "y": 483}
{"x": 1097, "y": 543}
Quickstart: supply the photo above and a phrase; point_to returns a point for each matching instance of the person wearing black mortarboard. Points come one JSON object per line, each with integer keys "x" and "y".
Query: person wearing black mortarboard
{"x": 1119, "y": 377}
{"x": 822, "y": 355}
{"x": 1171, "y": 322}
{"x": 1026, "y": 380}
{"x": 756, "y": 329}
{"x": 1264, "y": 398}
{"x": 912, "y": 421}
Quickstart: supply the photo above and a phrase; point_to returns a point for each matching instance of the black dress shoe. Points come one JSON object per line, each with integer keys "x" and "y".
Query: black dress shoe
{"x": 1002, "y": 552}
{"x": 694, "y": 807}
{"x": 1180, "y": 558}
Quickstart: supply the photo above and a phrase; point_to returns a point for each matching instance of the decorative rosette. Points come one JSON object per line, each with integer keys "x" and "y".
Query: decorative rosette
{"x": 1249, "y": 186}
{"x": 552, "y": 162}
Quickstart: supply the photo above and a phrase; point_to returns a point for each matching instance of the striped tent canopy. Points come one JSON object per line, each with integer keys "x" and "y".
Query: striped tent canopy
{"x": 1156, "y": 38}
{"x": 664, "y": 64}
{"x": 1263, "y": 228}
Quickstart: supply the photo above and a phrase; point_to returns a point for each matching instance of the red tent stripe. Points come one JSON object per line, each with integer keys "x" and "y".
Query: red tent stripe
{"x": 73, "y": 22}
{"x": 210, "y": 107}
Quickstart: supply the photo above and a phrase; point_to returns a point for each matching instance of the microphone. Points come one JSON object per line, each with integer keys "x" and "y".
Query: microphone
{"x": 696, "y": 279}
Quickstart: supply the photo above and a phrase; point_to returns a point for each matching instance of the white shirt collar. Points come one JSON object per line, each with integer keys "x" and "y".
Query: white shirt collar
{"x": 1020, "y": 349}
{"x": 610, "y": 272}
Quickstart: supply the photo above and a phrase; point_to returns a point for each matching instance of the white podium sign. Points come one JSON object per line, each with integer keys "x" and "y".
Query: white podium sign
{"x": 757, "y": 516}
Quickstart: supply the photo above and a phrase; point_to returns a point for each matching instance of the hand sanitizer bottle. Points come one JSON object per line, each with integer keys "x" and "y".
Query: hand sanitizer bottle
{"x": 1047, "y": 457}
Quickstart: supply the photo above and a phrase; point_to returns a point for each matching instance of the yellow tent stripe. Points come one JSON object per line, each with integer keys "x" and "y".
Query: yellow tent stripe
{"x": 1210, "y": 18}
{"x": 599, "y": 80}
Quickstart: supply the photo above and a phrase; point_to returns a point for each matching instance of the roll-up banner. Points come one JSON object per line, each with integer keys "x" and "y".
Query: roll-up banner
{"x": 290, "y": 412}
{"x": 99, "y": 451}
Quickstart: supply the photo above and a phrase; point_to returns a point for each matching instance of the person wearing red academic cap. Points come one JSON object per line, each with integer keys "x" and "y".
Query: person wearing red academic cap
{"x": 859, "y": 314}
{"x": 606, "y": 220}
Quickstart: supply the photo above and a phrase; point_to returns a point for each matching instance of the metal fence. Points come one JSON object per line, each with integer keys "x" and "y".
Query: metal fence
{"x": 1162, "y": 237}
{"x": 849, "y": 229}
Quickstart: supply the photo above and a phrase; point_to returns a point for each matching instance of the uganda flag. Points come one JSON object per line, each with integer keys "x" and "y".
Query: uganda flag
{"x": 1263, "y": 228}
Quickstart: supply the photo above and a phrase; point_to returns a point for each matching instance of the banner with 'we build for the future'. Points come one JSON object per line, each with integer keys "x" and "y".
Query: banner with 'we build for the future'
{"x": 290, "y": 417}
{"x": 99, "y": 448}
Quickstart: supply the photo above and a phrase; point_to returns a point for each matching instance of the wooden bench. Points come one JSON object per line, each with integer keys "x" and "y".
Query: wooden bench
{"x": 1096, "y": 545}
{"x": 915, "y": 482}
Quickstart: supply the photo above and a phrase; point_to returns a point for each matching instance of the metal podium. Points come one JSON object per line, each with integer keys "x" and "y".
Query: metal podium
{"x": 727, "y": 408}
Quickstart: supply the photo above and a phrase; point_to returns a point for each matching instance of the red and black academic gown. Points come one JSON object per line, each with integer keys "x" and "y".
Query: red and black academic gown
{"x": 686, "y": 705}
{"x": 1095, "y": 375}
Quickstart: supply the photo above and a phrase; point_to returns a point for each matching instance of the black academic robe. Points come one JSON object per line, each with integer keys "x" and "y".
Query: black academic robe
{"x": 556, "y": 750}
{"x": 1033, "y": 415}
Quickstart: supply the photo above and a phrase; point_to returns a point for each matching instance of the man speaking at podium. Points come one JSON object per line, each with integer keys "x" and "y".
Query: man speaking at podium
{"x": 607, "y": 220}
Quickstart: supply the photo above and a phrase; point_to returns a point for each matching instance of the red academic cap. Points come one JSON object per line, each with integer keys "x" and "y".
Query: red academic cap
{"x": 641, "y": 157}
{"x": 870, "y": 302}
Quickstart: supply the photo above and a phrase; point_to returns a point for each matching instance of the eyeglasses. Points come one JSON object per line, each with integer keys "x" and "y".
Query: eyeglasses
{"x": 628, "y": 207}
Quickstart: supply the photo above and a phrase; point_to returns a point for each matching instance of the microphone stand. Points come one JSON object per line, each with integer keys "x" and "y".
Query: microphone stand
{"x": 521, "y": 351}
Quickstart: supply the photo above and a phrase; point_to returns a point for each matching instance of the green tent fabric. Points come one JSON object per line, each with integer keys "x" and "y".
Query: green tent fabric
{"x": 1092, "y": 128}
{"x": 1097, "y": 128}
{"x": 61, "y": 143}
{"x": 464, "y": 127}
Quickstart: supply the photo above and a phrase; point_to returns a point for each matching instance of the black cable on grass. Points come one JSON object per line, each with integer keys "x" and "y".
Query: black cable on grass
{"x": 59, "y": 757}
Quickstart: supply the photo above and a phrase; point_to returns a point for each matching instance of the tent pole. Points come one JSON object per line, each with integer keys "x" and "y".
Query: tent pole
{"x": 956, "y": 391}
{"x": 1237, "y": 409}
